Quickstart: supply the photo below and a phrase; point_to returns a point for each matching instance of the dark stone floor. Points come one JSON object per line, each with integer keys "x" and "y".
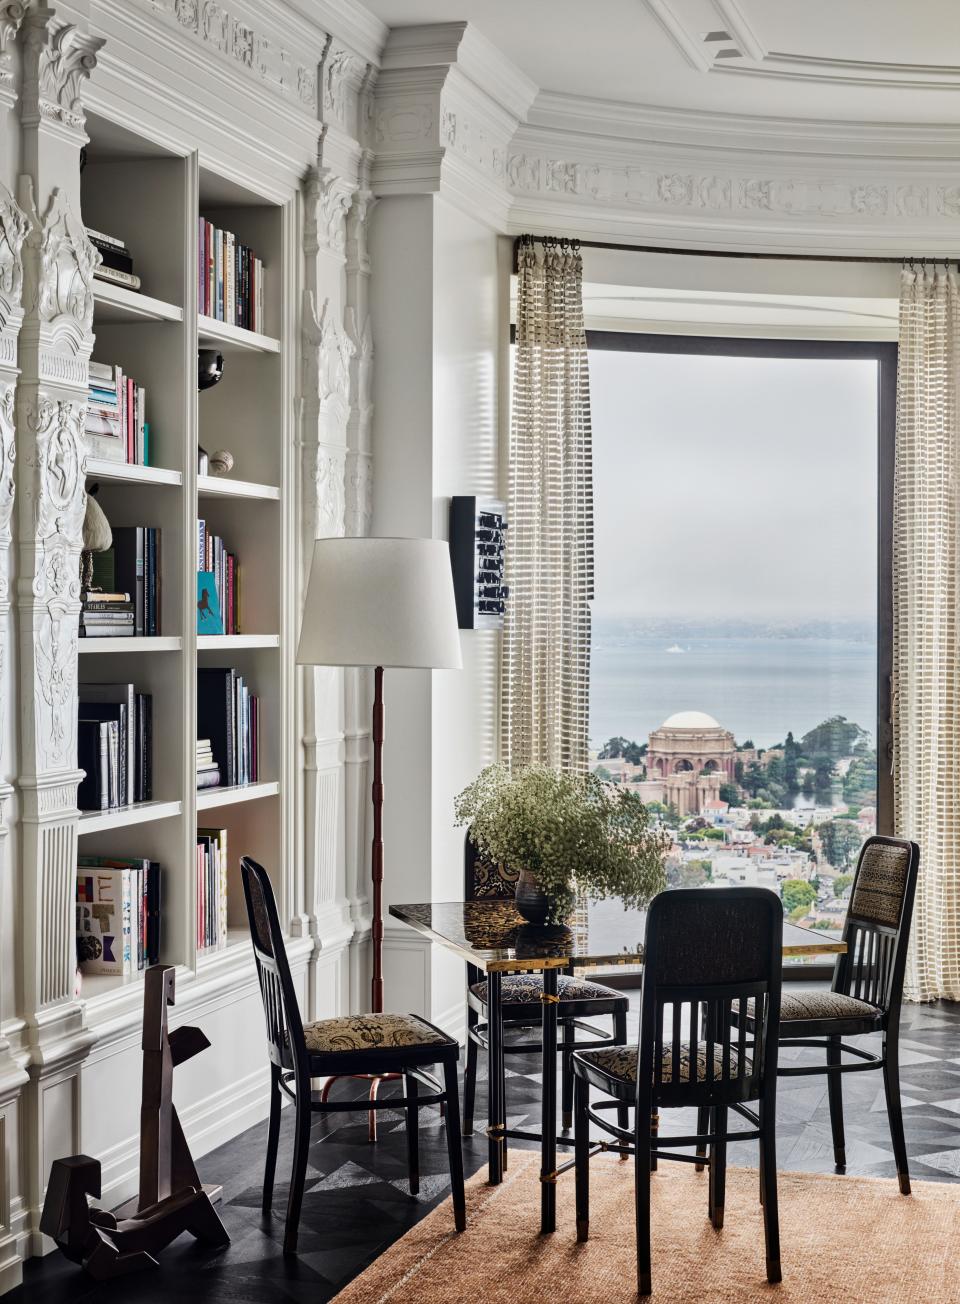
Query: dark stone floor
{"x": 357, "y": 1203}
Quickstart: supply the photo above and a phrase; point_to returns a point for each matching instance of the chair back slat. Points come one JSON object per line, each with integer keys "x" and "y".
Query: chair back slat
{"x": 709, "y": 955}
{"x": 285, "y": 1041}
{"x": 877, "y": 927}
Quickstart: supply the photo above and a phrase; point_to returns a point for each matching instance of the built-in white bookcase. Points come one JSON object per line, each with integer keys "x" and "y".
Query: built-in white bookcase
{"x": 137, "y": 191}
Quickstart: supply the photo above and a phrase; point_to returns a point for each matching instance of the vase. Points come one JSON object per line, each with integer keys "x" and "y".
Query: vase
{"x": 531, "y": 900}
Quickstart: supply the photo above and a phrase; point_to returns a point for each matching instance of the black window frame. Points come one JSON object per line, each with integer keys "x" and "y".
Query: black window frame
{"x": 884, "y": 353}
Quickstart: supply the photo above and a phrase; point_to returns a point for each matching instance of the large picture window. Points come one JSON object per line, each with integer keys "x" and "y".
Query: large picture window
{"x": 741, "y": 626}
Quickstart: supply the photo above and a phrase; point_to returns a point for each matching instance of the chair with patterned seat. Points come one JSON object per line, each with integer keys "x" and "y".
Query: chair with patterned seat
{"x": 356, "y": 1045}
{"x": 866, "y": 992}
{"x": 706, "y": 954}
{"x": 580, "y": 1000}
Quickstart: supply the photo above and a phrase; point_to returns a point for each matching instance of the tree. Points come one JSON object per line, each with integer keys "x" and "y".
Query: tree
{"x": 730, "y": 793}
{"x": 841, "y": 883}
{"x": 835, "y": 737}
{"x": 823, "y": 773}
{"x": 797, "y": 895}
{"x": 860, "y": 780}
{"x": 747, "y": 746}
{"x": 603, "y": 773}
{"x": 840, "y": 841}
{"x": 806, "y": 787}
{"x": 689, "y": 873}
{"x": 621, "y": 748}
{"x": 790, "y": 770}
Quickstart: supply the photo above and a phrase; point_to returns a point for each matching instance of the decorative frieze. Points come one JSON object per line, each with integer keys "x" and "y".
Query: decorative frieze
{"x": 245, "y": 45}
{"x": 870, "y": 199}
{"x": 12, "y": 13}
{"x": 342, "y": 75}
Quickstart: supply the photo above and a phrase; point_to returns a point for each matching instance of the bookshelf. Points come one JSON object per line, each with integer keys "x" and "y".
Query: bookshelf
{"x": 151, "y": 198}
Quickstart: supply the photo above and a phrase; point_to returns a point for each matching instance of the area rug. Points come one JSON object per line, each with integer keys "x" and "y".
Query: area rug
{"x": 843, "y": 1238}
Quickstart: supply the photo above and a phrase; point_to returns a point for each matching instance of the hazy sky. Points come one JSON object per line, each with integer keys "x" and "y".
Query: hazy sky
{"x": 734, "y": 486}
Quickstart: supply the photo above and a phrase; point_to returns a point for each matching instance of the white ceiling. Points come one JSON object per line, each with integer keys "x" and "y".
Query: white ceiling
{"x": 857, "y": 60}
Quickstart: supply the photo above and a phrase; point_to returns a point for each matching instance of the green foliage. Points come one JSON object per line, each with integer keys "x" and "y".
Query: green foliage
{"x": 834, "y": 738}
{"x": 689, "y": 873}
{"x": 573, "y": 832}
{"x": 742, "y": 747}
{"x": 860, "y": 780}
{"x": 603, "y": 774}
{"x": 730, "y": 793}
{"x": 840, "y": 841}
{"x": 622, "y": 748}
{"x": 841, "y": 883}
{"x": 822, "y": 773}
{"x": 798, "y": 895}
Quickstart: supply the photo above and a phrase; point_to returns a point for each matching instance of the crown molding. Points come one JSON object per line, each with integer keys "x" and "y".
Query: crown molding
{"x": 350, "y": 22}
{"x": 615, "y": 122}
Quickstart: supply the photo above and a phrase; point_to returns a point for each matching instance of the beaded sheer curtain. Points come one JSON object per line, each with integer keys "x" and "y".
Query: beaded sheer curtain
{"x": 926, "y": 621}
{"x": 545, "y": 675}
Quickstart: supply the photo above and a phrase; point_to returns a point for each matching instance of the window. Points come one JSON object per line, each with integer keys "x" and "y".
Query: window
{"x": 737, "y": 643}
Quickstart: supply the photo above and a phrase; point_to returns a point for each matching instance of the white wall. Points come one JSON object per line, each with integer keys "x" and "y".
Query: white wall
{"x": 436, "y": 312}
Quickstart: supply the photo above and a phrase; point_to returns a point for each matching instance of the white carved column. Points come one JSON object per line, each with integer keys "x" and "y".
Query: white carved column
{"x": 324, "y": 411}
{"x": 13, "y": 230}
{"x": 55, "y": 344}
{"x": 359, "y": 511}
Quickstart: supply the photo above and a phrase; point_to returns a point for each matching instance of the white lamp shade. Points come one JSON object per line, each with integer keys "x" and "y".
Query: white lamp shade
{"x": 380, "y": 602}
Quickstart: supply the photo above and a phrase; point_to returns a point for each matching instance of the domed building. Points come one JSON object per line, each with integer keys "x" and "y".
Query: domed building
{"x": 689, "y": 756}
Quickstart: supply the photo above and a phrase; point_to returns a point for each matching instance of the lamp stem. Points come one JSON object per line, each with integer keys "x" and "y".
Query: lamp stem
{"x": 376, "y": 858}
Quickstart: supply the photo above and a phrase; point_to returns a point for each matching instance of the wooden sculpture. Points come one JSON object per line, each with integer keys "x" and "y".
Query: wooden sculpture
{"x": 171, "y": 1197}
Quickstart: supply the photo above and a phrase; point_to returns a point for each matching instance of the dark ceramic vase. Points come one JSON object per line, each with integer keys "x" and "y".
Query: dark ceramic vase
{"x": 532, "y": 902}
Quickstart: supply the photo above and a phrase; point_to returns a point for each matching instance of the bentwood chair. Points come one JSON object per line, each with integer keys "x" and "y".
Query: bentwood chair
{"x": 708, "y": 952}
{"x": 521, "y": 993}
{"x": 361, "y": 1044}
{"x": 866, "y": 992}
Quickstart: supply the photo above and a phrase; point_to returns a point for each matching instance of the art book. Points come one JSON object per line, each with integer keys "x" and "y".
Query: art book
{"x": 209, "y": 620}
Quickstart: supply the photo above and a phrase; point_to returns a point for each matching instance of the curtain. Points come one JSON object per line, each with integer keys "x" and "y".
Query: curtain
{"x": 545, "y": 675}
{"x": 926, "y": 622}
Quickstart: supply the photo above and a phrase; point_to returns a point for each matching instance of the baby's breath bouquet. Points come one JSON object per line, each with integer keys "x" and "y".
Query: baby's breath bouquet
{"x": 572, "y": 833}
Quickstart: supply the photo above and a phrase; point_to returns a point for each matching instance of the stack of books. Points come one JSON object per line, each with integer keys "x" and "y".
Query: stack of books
{"x": 116, "y": 425}
{"x": 131, "y": 568}
{"x": 214, "y": 558}
{"x": 117, "y": 262}
{"x": 114, "y": 745}
{"x": 212, "y": 867}
{"x": 105, "y": 615}
{"x": 118, "y": 915}
{"x": 228, "y": 716}
{"x": 208, "y": 771}
{"x": 231, "y": 279}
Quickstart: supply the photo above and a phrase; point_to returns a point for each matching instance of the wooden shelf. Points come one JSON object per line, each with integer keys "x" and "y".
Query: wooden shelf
{"x": 137, "y": 643}
{"x": 115, "y": 304}
{"x": 142, "y": 812}
{"x": 208, "y": 798}
{"x": 219, "y": 486}
{"x": 230, "y": 338}
{"x": 97, "y": 469}
{"x": 232, "y": 642}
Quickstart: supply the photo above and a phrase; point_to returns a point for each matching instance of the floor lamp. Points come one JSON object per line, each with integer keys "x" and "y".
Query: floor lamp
{"x": 379, "y": 603}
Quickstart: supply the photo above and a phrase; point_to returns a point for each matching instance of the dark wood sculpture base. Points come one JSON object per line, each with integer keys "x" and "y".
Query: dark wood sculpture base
{"x": 171, "y": 1198}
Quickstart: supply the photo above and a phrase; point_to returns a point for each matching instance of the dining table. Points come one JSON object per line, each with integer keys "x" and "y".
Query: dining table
{"x": 493, "y": 936}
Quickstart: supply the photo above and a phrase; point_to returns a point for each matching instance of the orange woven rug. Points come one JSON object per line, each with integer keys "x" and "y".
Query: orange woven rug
{"x": 843, "y": 1238}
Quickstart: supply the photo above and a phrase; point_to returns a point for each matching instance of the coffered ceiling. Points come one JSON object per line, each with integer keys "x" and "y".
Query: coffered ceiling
{"x": 879, "y": 61}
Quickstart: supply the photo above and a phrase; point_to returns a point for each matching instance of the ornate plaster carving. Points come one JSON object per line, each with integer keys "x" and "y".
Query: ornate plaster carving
{"x": 57, "y": 459}
{"x": 871, "y": 199}
{"x": 328, "y": 198}
{"x": 328, "y": 492}
{"x": 239, "y": 41}
{"x": 342, "y": 76}
{"x": 328, "y": 350}
{"x": 62, "y": 269}
{"x": 14, "y": 226}
{"x": 8, "y": 454}
{"x": 55, "y": 644}
{"x": 359, "y": 463}
{"x": 58, "y": 59}
{"x": 12, "y": 13}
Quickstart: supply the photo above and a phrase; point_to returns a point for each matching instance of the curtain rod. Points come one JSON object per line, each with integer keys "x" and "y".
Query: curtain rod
{"x": 717, "y": 253}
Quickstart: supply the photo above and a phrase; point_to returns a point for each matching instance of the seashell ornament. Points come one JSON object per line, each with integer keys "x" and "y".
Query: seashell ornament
{"x": 221, "y": 462}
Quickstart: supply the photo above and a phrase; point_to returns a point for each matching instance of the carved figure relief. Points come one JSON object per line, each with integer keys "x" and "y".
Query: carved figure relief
{"x": 14, "y": 226}
{"x": 58, "y": 456}
{"x": 8, "y": 453}
{"x": 67, "y": 262}
{"x": 56, "y": 655}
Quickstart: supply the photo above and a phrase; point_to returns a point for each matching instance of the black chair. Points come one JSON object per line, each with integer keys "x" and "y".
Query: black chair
{"x": 708, "y": 952}
{"x": 521, "y": 993}
{"x": 866, "y": 992}
{"x": 358, "y": 1044}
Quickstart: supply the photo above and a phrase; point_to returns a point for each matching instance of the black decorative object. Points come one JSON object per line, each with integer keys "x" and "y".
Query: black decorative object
{"x": 477, "y": 530}
{"x": 209, "y": 368}
{"x": 172, "y": 1198}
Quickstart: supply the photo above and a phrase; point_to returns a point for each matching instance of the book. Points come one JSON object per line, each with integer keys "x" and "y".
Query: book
{"x": 104, "y": 921}
{"x": 119, "y": 702}
{"x": 98, "y": 237}
{"x": 126, "y": 279}
{"x": 216, "y": 716}
{"x": 93, "y": 790}
{"x": 106, "y": 448}
{"x": 129, "y": 549}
